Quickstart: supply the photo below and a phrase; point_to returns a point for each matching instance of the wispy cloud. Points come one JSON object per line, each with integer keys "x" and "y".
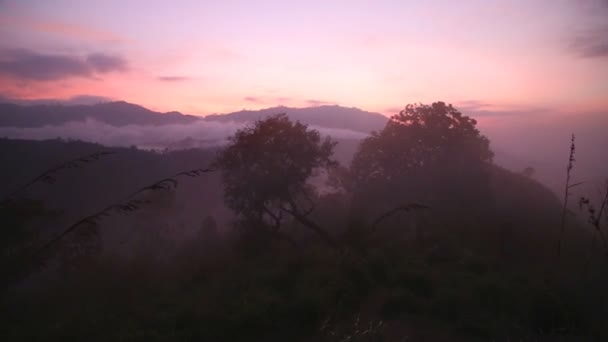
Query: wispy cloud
{"x": 592, "y": 43}
{"x": 102, "y": 63}
{"x": 173, "y": 78}
{"x": 472, "y": 105}
{"x": 392, "y": 110}
{"x": 64, "y": 29}
{"x": 478, "y": 108}
{"x": 317, "y": 103}
{"x": 591, "y": 40}
{"x": 505, "y": 111}
{"x": 268, "y": 100}
{"x": 172, "y": 136}
{"x": 30, "y": 65}
{"x": 252, "y": 99}
{"x": 74, "y": 100}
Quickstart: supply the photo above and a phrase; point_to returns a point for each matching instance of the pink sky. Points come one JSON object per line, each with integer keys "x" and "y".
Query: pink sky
{"x": 204, "y": 57}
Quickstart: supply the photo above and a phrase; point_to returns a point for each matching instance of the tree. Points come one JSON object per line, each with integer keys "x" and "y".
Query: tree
{"x": 265, "y": 170}
{"x": 426, "y": 153}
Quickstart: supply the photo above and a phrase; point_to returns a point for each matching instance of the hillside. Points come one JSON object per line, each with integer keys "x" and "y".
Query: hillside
{"x": 81, "y": 191}
{"x": 420, "y": 267}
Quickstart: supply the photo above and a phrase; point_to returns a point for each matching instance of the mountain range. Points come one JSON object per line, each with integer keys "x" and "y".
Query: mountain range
{"x": 118, "y": 113}
{"x": 324, "y": 116}
{"x": 122, "y": 113}
{"x": 125, "y": 124}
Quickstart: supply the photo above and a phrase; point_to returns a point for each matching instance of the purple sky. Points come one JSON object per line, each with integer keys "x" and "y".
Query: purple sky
{"x": 205, "y": 57}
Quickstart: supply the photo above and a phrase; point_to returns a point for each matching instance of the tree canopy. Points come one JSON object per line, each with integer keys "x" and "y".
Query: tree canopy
{"x": 420, "y": 137}
{"x": 425, "y": 153}
{"x": 266, "y": 167}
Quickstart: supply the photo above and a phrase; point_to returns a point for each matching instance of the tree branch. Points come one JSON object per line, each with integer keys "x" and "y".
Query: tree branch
{"x": 303, "y": 219}
{"x": 131, "y": 204}
{"x": 566, "y": 195}
{"x": 276, "y": 217}
{"x": 405, "y": 208}
{"x": 48, "y": 176}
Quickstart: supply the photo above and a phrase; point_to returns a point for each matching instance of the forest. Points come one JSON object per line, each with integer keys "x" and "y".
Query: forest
{"x": 285, "y": 235}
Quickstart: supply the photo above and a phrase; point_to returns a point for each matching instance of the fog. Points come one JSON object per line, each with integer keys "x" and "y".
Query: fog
{"x": 542, "y": 141}
{"x": 182, "y": 237}
{"x": 200, "y": 134}
{"x": 539, "y": 140}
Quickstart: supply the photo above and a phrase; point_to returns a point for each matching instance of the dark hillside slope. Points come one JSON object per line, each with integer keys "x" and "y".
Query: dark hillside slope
{"x": 79, "y": 192}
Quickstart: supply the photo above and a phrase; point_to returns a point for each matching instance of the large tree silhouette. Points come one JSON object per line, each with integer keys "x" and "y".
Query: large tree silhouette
{"x": 265, "y": 171}
{"x": 426, "y": 153}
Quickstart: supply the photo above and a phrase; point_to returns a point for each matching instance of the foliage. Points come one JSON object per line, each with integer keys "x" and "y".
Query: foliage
{"x": 429, "y": 154}
{"x": 266, "y": 168}
{"x": 595, "y": 217}
{"x": 421, "y": 137}
{"x": 484, "y": 281}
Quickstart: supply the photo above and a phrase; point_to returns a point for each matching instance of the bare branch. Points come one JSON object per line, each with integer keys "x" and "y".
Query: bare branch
{"x": 129, "y": 205}
{"x": 276, "y": 217}
{"x": 402, "y": 208}
{"x": 48, "y": 176}
{"x": 303, "y": 219}
{"x": 576, "y": 184}
{"x": 566, "y": 196}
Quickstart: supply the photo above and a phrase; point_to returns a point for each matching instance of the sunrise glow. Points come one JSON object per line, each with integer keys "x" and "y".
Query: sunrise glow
{"x": 204, "y": 57}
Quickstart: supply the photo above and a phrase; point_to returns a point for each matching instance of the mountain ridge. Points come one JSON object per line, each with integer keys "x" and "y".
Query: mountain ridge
{"x": 330, "y": 116}
{"x": 121, "y": 113}
{"x": 118, "y": 113}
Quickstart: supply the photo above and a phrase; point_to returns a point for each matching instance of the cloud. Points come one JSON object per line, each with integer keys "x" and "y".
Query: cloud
{"x": 472, "y": 105}
{"x": 64, "y": 29}
{"x": 495, "y": 113}
{"x": 173, "y": 78}
{"x": 269, "y": 100}
{"x": 392, "y": 110}
{"x": 339, "y": 133}
{"x": 316, "y": 103}
{"x": 477, "y": 109}
{"x": 104, "y": 63}
{"x": 251, "y": 99}
{"x": 74, "y": 100}
{"x": 30, "y": 65}
{"x": 86, "y": 99}
{"x": 592, "y": 43}
{"x": 200, "y": 133}
{"x": 542, "y": 140}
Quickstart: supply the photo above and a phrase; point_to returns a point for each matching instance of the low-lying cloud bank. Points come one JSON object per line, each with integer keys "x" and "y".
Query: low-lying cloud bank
{"x": 539, "y": 140}
{"x": 199, "y": 134}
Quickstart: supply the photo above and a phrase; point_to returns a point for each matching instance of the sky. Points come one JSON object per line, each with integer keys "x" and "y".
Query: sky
{"x": 204, "y": 57}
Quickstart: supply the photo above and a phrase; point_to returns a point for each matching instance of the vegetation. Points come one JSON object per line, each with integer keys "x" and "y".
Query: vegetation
{"x": 427, "y": 153}
{"x": 422, "y": 238}
{"x": 265, "y": 172}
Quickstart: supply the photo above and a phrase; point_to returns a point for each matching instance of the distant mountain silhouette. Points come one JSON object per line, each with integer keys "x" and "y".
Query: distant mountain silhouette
{"x": 118, "y": 113}
{"x": 121, "y": 113}
{"x": 325, "y": 116}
